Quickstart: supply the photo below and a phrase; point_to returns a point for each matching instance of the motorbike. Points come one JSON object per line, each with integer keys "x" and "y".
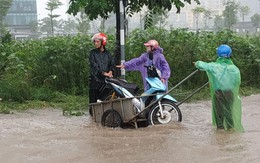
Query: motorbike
{"x": 153, "y": 106}
{"x": 108, "y": 92}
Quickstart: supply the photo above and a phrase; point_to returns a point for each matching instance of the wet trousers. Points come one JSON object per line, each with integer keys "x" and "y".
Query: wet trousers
{"x": 223, "y": 104}
{"x": 95, "y": 88}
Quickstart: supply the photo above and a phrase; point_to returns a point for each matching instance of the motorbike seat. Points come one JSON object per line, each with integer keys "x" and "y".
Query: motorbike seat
{"x": 133, "y": 88}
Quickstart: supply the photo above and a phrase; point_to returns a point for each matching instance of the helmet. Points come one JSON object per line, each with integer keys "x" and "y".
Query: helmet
{"x": 153, "y": 43}
{"x": 101, "y": 36}
{"x": 224, "y": 51}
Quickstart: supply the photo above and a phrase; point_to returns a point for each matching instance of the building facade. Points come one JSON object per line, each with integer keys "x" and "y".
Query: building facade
{"x": 20, "y": 17}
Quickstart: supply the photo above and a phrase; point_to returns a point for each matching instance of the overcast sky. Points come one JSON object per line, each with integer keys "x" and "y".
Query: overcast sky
{"x": 42, "y": 12}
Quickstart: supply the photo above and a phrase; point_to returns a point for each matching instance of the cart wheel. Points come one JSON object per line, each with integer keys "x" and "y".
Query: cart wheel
{"x": 111, "y": 118}
{"x": 170, "y": 110}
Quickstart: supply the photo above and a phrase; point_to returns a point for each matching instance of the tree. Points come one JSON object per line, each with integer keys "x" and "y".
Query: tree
{"x": 244, "y": 10}
{"x": 230, "y": 14}
{"x": 4, "y": 6}
{"x": 51, "y": 6}
{"x": 207, "y": 16}
{"x": 218, "y": 22}
{"x": 156, "y": 18}
{"x": 59, "y": 28}
{"x": 160, "y": 18}
{"x": 107, "y": 24}
{"x": 103, "y": 8}
{"x": 83, "y": 23}
{"x": 255, "y": 19}
{"x": 70, "y": 26}
{"x": 47, "y": 26}
{"x": 196, "y": 13}
{"x": 34, "y": 29}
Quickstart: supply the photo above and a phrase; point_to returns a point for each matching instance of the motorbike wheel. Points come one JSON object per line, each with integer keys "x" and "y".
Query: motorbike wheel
{"x": 170, "y": 110}
{"x": 111, "y": 118}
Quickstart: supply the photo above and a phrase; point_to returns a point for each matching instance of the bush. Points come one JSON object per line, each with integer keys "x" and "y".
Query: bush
{"x": 35, "y": 69}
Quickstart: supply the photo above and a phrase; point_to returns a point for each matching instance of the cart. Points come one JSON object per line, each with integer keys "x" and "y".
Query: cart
{"x": 116, "y": 112}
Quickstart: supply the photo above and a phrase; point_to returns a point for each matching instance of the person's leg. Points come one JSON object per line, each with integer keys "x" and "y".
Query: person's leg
{"x": 218, "y": 99}
{"x": 94, "y": 90}
{"x": 228, "y": 102}
{"x": 93, "y": 95}
{"x": 92, "y": 98}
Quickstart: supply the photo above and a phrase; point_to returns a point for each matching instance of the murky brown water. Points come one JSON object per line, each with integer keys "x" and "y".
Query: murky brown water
{"x": 47, "y": 136}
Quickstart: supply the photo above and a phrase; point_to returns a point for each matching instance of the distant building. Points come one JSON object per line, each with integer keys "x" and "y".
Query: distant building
{"x": 245, "y": 28}
{"x": 184, "y": 19}
{"x": 20, "y": 16}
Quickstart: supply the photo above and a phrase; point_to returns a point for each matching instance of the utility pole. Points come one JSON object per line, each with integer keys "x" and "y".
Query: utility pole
{"x": 122, "y": 35}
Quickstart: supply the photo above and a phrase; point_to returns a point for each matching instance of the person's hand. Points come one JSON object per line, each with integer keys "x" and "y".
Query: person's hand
{"x": 163, "y": 80}
{"x": 110, "y": 74}
{"x": 120, "y": 66}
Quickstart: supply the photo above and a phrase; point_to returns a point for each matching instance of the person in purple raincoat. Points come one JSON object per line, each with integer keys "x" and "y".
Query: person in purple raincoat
{"x": 153, "y": 56}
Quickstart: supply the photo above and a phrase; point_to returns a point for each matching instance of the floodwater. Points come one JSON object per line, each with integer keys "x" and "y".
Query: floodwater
{"x": 47, "y": 136}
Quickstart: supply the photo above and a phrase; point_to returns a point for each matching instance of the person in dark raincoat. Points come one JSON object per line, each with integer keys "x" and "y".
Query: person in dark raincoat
{"x": 153, "y": 56}
{"x": 224, "y": 78}
{"x": 101, "y": 66}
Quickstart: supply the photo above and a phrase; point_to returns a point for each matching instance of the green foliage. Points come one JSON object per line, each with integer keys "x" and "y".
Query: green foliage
{"x": 103, "y": 8}
{"x": 14, "y": 76}
{"x": 218, "y": 22}
{"x": 156, "y": 17}
{"x": 83, "y": 23}
{"x": 247, "y": 91}
{"x": 70, "y": 105}
{"x": 230, "y": 14}
{"x": 256, "y": 20}
{"x": 14, "y": 87}
{"x": 6, "y": 38}
{"x": 196, "y": 12}
{"x": 182, "y": 47}
{"x": 43, "y": 94}
{"x": 43, "y": 69}
{"x": 7, "y": 107}
{"x": 63, "y": 64}
{"x": 45, "y": 25}
{"x": 74, "y": 105}
{"x": 244, "y": 10}
{"x": 4, "y": 6}
{"x": 51, "y": 6}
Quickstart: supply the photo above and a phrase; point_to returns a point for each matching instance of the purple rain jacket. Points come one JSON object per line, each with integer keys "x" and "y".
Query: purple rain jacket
{"x": 159, "y": 61}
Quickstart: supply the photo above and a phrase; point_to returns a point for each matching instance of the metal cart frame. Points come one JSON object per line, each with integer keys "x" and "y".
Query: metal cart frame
{"x": 126, "y": 110}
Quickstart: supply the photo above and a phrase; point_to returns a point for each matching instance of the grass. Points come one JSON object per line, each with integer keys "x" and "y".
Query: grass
{"x": 180, "y": 94}
{"x": 247, "y": 91}
{"x": 78, "y": 105}
{"x": 204, "y": 94}
{"x": 70, "y": 105}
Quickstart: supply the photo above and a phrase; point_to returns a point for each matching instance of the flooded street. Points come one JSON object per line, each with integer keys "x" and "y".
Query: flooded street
{"x": 47, "y": 136}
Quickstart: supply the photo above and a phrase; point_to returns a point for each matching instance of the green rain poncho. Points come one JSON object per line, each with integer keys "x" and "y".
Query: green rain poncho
{"x": 224, "y": 78}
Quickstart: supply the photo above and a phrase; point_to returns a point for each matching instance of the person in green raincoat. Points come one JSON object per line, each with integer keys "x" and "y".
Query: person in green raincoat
{"x": 224, "y": 78}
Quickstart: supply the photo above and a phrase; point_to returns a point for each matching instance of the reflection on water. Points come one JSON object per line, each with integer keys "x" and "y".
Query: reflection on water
{"x": 47, "y": 136}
